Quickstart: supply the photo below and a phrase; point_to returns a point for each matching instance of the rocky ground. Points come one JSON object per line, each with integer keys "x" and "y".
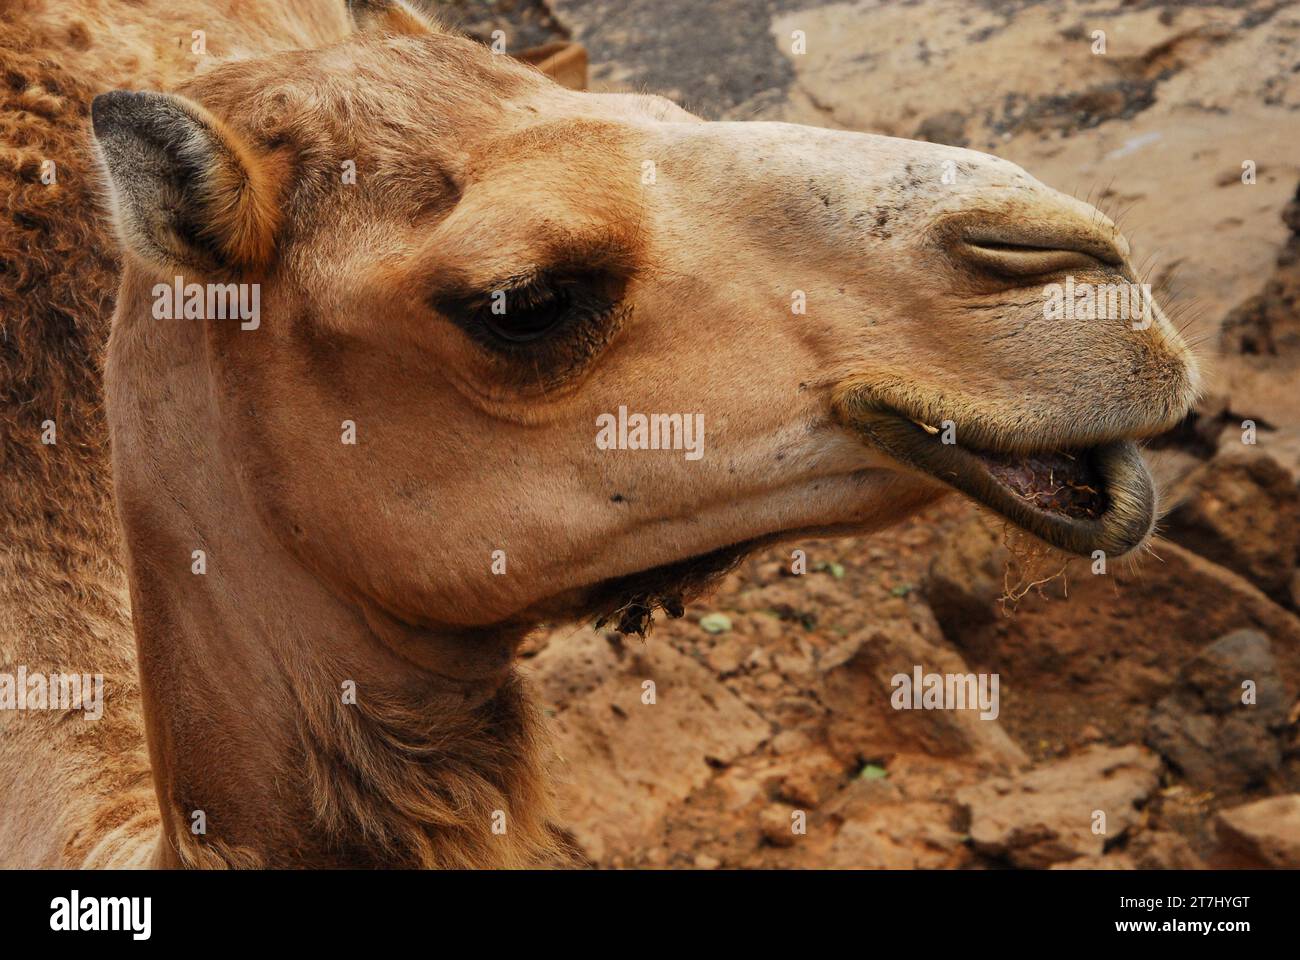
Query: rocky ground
{"x": 1122, "y": 738}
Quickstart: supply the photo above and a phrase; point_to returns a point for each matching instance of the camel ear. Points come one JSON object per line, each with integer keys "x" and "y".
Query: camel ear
{"x": 389, "y": 16}
{"x": 563, "y": 61}
{"x": 186, "y": 191}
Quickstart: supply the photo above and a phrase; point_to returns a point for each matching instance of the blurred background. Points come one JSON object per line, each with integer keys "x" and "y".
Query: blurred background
{"x": 1120, "y": 693}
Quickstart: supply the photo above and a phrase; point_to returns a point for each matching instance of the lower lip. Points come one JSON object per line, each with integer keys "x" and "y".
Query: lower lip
{"x": 1122, "y": 527}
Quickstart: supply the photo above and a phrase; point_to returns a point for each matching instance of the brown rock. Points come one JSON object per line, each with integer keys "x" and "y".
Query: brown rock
{"x": 1265, "y": 833}
{"x": 967, "y": 578}
{"x": 1281, "y": 443}
{"x": 863, "y": 723}
{"x": 763, "y": 627}
{"x": 1205, "y": 730}
{"x": 794, "y": 667}
{"x": 1268, "y": 325}
{"x": 790, "y": 741}
{"x": 1047, "y": 815}
{"x": 1110, "y": 861}
{"x": 800, "y": 788}
{"x": 948, "y": 127}
{"x": 726, "y": 656}
{"x": 1113, "y": 648}
{"x": 777, "y": 825}
{"x": 624, "y": 764}
{"x": 1163, "y": 850}
{"x": 1243, "y": 511}
{"x": 900, "y": 836}
{"x": 811, "y": 775}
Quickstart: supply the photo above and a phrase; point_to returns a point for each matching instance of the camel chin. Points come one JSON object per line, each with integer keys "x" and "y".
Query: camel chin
{"x": 629, "y": 603}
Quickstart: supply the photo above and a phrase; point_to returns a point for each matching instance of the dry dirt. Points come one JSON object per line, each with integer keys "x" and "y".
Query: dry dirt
{"x": 1122, "y": 739}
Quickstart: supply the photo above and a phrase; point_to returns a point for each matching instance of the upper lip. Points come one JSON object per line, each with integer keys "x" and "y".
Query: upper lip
{"x": 1128, "y": 498}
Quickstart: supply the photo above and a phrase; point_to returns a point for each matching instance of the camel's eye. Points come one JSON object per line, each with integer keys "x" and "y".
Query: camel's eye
{"x": 551, "y": 323}
{"x": 527, "y": 313}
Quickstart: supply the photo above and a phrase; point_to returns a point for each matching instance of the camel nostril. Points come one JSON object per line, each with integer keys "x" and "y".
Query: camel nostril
{"x": 1014, "y": 246}
{"x": 1027, "y": 248}
{"x": 1018, "y": 260}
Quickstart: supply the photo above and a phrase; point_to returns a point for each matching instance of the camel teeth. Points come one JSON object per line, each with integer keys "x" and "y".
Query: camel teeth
{"x": 926, "y": 427}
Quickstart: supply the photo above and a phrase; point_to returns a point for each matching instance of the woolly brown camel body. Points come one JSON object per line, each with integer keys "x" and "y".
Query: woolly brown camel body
{"x": 75, "y": 792}
{"x": 642, "y": 259}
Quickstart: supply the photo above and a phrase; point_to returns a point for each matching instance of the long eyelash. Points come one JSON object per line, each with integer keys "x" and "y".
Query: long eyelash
{"x": 536, "y": 293}
{"x": 587, "y": 303}
{"x": 526, "y": 283}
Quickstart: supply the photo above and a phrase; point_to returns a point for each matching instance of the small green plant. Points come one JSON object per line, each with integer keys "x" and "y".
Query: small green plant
{"x": 836, "y": 570}
{"x": 715, "y": 623}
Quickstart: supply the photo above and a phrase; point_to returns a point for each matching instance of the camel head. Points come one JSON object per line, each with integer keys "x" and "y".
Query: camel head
{"x": 522, "y": 352}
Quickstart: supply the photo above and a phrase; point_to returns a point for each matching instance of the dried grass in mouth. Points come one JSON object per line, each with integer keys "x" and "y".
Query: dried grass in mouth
{"x": 1031, "y": 565}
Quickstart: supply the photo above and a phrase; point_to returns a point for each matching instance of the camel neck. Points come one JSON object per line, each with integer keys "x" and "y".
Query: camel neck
{"x": 284, "y": 726}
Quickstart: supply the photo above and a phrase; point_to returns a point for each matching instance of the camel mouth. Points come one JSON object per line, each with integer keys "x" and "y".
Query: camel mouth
{"x": 1079, "y": 500}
